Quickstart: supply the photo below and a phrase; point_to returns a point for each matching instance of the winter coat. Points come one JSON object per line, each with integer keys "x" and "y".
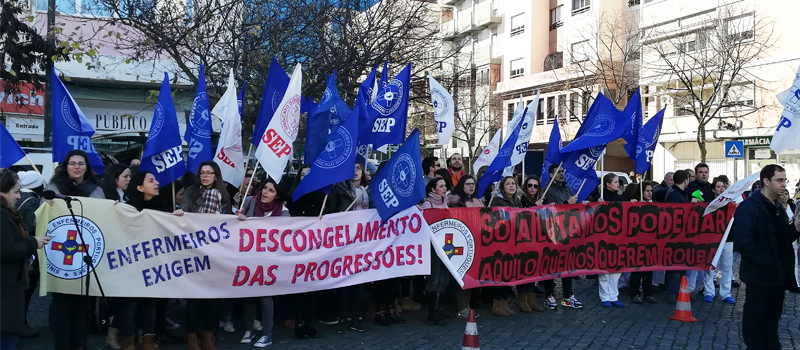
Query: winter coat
{"x": 559, "y": 193}
{"x": 503, "y": 201}
{"x": 435, "y": 201}
{"x": 457, "y": 202}
{"x": 15, "y": 252}
{"x": 676, "y": 195}
{"x": 526, "y": 202}
{"x": 764, "y": 239}
{"x": 705, "y": 188}
{"x": 250, "y": 208}
{"x": 310, "y": 204}
{"x": 342, "y": 196}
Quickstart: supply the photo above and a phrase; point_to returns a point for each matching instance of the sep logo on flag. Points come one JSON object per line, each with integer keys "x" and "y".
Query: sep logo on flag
{"x": 73, "y": 122}
{"x": 457, "y": 242}
{"x": 158, "y": 121}
{"x": 440, "y": 106}
{"x": 202, "y": 120}
{"x": 326, "y": 96}
{"x": 65, "y": 252}
{"x": 404, "y": 175}
{"x": 288, "y": 123}
{"x": 277, "y": 96}
{"x": 389, "y": 98}
{"x": 603, "y": 126}
{"x": 336, "y": 151}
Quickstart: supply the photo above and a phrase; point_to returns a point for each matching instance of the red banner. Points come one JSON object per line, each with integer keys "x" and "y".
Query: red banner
{"x": 507, "y": 246}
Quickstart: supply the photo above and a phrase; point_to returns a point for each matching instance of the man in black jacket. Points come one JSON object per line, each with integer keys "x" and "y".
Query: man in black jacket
{"x": 676, "y": 194}
{"x": 701, "y": 183}
{"x": 764, "y": 238}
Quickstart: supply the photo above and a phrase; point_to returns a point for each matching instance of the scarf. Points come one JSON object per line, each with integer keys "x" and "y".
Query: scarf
{"x": 210, "y": 202}
{"x": 274, "y": 208}
{"x": 68, "y": 187}
{"x": 360, "y": 196}
{"x": 437, "y": 200}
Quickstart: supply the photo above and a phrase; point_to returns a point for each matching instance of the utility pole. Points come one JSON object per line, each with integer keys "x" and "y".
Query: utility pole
{"x": 48, "y": 95}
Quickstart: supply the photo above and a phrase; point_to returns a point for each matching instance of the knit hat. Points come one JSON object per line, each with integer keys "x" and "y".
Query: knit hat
{"x": 30, "y": 179}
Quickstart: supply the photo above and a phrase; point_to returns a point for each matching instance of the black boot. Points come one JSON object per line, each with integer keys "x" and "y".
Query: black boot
{"x": 433, "y": 310}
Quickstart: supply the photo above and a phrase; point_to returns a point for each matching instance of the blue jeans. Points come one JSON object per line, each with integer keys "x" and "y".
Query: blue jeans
{"x": 8, "y": 341}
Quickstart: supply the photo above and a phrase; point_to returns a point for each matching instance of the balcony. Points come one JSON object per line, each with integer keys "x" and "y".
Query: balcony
{"x": 464, "y": 24}
{"x": 483, "y": 56}
{"x": 485, "y": 18}
{"x": 450, "y": 2}
{"x": 447, "y": 30}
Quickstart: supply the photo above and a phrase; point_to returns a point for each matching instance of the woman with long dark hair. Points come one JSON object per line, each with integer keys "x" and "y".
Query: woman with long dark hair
{"x": 463, "y": 196}
{"x": 71, "y": 314}
{"x": 206, "y": 195}
{"x": 31, "y": 190}
{"x": 116, "y": 181}
{"x": 609, "y": 282}
{"x": 267, "y": 201}
{"x": 437, "y": 281}
{"x": 531, "y": 194}
{"x": 526, "y": 293}
{"x": 16, "y": 248}
{"x": 643, "y": 279}
{"x": 505, "y": 196}
{"x": 353, "y": 191}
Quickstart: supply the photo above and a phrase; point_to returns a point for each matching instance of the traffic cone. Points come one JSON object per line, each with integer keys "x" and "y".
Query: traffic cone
{"x": 683, "y": 308}
{"x": 471, "y": 334}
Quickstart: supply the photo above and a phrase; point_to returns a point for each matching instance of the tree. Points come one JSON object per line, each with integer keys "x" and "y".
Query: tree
{"x": 705, "y": 70}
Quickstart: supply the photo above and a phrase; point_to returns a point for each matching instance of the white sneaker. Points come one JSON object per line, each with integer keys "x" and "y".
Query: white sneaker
{"x": 228, "y": 327}
{"x": 257, "y": 326}
{"x": 248, "y": 337}
{"x": 263, "y": 342}
{"x": 171, "y": 325}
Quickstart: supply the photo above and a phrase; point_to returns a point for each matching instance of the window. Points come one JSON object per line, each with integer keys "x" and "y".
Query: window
{"x": 588, "y": 99}
{"x": 540, "y": 113}
{"x": 580, "y": 6}
{"x": 562, "y": 107}
{"x": 517, "y": 68}
{"x": 740, "y": 96}
{"x": 77, "y": 7}
{"x": 551, "y": 109}
{"x": 510, "y": 111}
{"x": 555, "y": 18}
{"x": 455, "y": 142}
{"x": 483, "y": 77}
{"x": 575, "y": 107}
{"x": 741, "y": 28}
{"x": 580, "y": 51}
{"x": 632, "y": 3}
{"x": 518, "y": 24}
{"x": 554, "y": 60}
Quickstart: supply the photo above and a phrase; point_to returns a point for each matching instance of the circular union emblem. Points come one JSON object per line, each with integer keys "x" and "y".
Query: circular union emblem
{"x": 404, "y": 175}
{"x": 603, "y": 126}
{"x": 66, "y": 113}
{"x": 389, "y": 98}
{"x": 199, "y": 122}
{"x": 336, "y": 151}
{"x": 326, "y": 96}
{"x": 65, "y": 251}
{"x": 289, "y": 116}
{"x": 277, "y": 96}
{"x": 596, "y": 151}
{"x": 440, "y": 105}
{"x": 158, "y": 121}
{"x": 455, "y": 238}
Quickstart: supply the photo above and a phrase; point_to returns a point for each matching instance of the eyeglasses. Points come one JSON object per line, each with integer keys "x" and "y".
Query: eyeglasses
{"x": 780, "y": 181}
{"x": 207, "y": 173}
{"x": 77, "y": 163}
{"x": 469, "y": 184}
{"x": 533, "y": 185}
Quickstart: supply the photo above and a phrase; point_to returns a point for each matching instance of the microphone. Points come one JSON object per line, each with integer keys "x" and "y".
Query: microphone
{"x": 50, "y": 195}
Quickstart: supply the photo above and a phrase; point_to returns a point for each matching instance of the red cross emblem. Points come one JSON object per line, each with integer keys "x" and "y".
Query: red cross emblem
{"x": 70, "y": 247}
{"x": 448, "y": 242}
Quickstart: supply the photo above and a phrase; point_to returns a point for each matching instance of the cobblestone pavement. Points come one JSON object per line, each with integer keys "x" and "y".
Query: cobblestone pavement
{"x": 593, "y": 327}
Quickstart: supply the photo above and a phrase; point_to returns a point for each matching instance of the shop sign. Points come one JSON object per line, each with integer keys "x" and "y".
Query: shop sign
{"x": 27, "y": 126}
{"x": 757, "y": 141}
{"x": 27, "y": 101}
{"x": 763, "y": 154}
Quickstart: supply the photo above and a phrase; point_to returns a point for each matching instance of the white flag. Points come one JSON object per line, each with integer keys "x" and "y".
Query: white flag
{"x": 229, "y": 155}
{"x": 277, "y": 144}
{"x": 521, "y": 147}
{"x": 443, "y": 110}
{"x": 488, "y": 154}
{"x": 732, "y": 194}
{"x": 789, "y": 126}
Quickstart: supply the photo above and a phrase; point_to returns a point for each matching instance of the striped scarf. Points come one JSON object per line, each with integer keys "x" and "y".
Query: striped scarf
{"x": 211, "y": 201}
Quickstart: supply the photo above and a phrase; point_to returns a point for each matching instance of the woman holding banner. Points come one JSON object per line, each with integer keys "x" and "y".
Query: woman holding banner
{"x": 116, "y": 180}
{"x": 526, "y": 293}
{"x": 267, "y": 201}
{"x": 436, "y": 283}
{"x": 643, "y": 279}
{"x": 71, "y": 314}
{"x": 16, "y": 247}
{"x": 609, "y": 282}
{"x": 463, "y": 196}
{"x": 206, "y": 195}
{"x": 505, "y": 196}
{"x": 345, "y": 196}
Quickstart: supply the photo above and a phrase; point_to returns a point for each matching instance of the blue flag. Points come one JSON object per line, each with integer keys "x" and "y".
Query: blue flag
{"x": 198, "y": 129}
{"x": 274, "y": 89}
{"x": 553, "y": 155}
{"x": 241, "y": 100}
{"x": 336, "y": 161}
{"x": 648, "y": 138}
{"x": 10, "y": 151}
{"x": 330, "y": 113}
{"x": 71, "y": 130}
{"x": 388, "y": 112}
{"x": 368, "y": 85}
{"x": 163, "y": 152}
{"x": 603, "y": 124}
{"x": 503, "y": 159}
{"x": 633, "y": 111}
{"x": 399, "y": 184}
{"x": 578, "y": 166}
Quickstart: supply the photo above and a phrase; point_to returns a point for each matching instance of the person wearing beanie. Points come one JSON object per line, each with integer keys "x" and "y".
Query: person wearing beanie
{"x": 31, "y": 189}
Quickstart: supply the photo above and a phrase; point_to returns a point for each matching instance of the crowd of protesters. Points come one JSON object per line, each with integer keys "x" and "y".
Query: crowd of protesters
{"x": 762, "y": 235}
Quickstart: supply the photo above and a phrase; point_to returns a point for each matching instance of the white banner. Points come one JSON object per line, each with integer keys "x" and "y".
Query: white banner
{"x": 733, "y": 193}
{"x": 488, "y": 154}
{"x": 443, "y": 110}
{"x": 159, "y": 255}
{"x": 789, "y": 125}
{"x": 229, "y": 155}
{"x": 276, "y": 147}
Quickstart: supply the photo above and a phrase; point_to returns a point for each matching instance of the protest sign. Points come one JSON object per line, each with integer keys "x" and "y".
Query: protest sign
{"x": 153, "y": 254}
{"x": 507, "y": 246}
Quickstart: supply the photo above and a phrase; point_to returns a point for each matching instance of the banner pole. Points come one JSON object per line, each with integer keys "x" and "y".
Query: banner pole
{"x": 354, "y": 200}
{"x": 249, "y": 184}
{"x": 322, "y": 210}
{"x": 549, "y": 183}
{"x": 34, "y": 165}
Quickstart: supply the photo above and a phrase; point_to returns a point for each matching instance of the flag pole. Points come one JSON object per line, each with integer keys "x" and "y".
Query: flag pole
{"x": 174, "y": 205}
{"x": 549, "y": 183}
{"x": 354, "y": 200}
{"x": 580, "y": 188}
{"x": 322, "y": 210}
{"x": 249, "y": 184}
{"x": 247, "y": 165}
{"x": 34, "y": 165}
{"x": 641, "y": 186}
{"x": 492, "y": 197}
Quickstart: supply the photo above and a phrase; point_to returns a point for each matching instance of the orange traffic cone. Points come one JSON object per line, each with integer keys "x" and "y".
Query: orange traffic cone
{"x": 683, "y": 308}
{"x": 471, "y": 334}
